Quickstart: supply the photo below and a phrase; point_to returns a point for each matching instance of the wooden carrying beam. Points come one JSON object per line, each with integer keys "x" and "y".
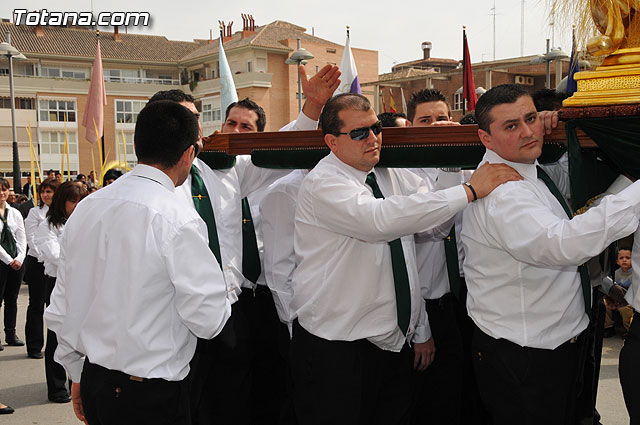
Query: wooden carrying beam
{"x": 393, "y": 137}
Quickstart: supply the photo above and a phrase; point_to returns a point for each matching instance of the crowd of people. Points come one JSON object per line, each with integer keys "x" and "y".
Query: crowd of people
{"x": 190, "y": 294}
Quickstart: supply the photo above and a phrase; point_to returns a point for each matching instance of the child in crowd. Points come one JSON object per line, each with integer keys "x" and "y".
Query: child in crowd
{"x": 623, "y": 279}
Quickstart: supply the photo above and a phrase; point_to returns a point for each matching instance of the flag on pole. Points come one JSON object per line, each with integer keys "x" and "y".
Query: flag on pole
{"x": 392, "y": 103}
{"x": 349, "y": 74}
{"x": 572, "y": 86}
{"x": 228, "y": 94}
{"x": 96, "y": 99}
{"x": 468, "y": 86}
{"x": 404, "y": 102}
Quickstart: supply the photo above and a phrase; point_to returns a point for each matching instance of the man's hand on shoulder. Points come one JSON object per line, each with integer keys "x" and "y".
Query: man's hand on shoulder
{"x": 489, "y": 176}
{"x": 318, "y": 89}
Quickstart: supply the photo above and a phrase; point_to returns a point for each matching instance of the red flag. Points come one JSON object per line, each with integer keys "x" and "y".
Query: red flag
{"x": 468, "y": 86}
{"x": 96, "y": 99}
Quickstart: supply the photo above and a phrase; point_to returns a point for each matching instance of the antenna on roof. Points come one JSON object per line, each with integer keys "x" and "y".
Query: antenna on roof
{"x": 347, "y": 30}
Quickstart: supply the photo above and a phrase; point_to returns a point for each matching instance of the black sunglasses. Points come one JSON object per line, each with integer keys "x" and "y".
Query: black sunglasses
{"x": 363, "y": 133}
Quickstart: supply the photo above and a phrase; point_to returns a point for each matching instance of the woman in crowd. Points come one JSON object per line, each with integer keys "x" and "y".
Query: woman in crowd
{"x": 47, "y": 237}
{"x": 13, "y": 247}
{"x": 34, "y": 271}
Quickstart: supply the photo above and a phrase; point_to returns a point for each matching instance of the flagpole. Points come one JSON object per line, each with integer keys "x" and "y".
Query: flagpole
{"x": 464, "y": 68}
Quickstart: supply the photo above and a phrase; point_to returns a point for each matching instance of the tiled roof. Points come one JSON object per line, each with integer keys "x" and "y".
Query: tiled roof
{"x": 430, "y": 61}
{"x": 268, "y": 36}
{"x": 405, "y": 73}
{"x": 81, "y": 42}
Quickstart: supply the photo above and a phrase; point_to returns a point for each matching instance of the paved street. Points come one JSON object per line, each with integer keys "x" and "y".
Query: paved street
{"x": 22, "y": 384}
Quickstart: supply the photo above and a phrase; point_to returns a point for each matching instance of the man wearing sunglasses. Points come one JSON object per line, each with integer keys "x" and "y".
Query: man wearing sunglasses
{"x": 356, "y": 290}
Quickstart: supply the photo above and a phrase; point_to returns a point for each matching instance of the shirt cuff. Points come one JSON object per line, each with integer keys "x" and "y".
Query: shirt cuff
{"x": 303, "y": 122}
{"x": 457, "y": 198}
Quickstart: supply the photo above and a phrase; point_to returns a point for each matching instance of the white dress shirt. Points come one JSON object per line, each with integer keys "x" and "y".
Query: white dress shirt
{"x": 343, "y": 285}
{"x": 226, "y": 188}
{"x": 633, "y": 293}
{"x": 522, "y": 254}
{"x": 34, "y": 218}
{"x": 16, "y": 224}
{"x": 255, "y": 191}
{"x": 430, "y": 254}
{"x": 47, "y": 238}
{"x": 137, "y": 282}
{"x": 278, "y": 210}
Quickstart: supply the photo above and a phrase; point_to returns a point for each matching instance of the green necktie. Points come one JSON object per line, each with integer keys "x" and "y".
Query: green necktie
{"x": 453, "y": 269}
{"x": 205, "y": 209}
{"x": 585, "y": 280}
{"x": 250, "y": 257}
{"x": 400, "y": 276}
{"x": 7, "y": 241}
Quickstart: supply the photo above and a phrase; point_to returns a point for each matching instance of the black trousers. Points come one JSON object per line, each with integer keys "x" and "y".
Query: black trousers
{"x": 10, "y": 281}
{"x": 110, "y": 397}
{"x": 54, "y": 372}
{"x": 437, "y": 391}
{"x": 349, "y": 382}
{"x": 270, "y": 404}
{"x": 630, "y": 372}
{"x": 526, "y": 386}
{"x": 220, "y": 376}
{"x": 34, "y": 327}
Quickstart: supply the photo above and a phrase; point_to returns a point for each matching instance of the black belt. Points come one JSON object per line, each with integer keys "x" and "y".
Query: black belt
{"x": 442, "y": 301}
{"x": 115, "y": 374}
{"x": 256, "y": 291}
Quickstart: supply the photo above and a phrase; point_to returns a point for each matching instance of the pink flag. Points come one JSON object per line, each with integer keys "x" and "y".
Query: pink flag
{"x": 96, "y": 99}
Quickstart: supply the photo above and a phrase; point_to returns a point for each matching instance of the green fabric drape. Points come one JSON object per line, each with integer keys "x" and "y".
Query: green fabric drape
{"x": 593, "y": 170}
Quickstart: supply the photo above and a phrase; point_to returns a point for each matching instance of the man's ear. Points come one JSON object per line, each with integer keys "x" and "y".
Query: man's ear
{"x": 188, "y": 155}
{"x": 485, "y": 138}
{"x": 331, "y": 141}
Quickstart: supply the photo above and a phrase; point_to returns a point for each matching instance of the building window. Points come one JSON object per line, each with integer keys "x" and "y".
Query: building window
{"x": 122, "y": 75}
{"x": 207, "y": 112}
{"x": 57, "y": 72}
{"x": 210, "y": 114}
{"x": 132, "y": 160}
{"x": 457, "y": 101}
{"x": 57, "y": 110}
{"x": 249, "y": 66}
{"x": 52, "y": 142}
{"x": 127, "y": 110}
{"x": 24, "y": 103}
{"x": 5, "y": 102}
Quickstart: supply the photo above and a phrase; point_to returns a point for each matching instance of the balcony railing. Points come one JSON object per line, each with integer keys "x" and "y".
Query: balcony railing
{"x": 140, "y": 80}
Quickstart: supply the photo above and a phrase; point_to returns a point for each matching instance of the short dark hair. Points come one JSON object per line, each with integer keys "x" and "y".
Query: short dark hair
{"x": 111, "y": 174}
{"x": 424, "y": 96}
{"x": 4, "y": 183}
{"x": 470, "y": 118}
{"x": 52, "y": 184}
{"x": 164, "y": 130}
{"x": 505, "y": 93}
{"x": 68, "y": 191}
{"x": 388, "y": 119}
{"x": 548, "y": 99}
{"x": 249, "y": 104}
{"x": 330, "y": 122}
{"x": 80, "y": 176}
{"x": 176, "y": 95}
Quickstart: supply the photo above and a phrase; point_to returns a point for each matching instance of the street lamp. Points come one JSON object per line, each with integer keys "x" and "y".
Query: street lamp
{"x": 548, "y": 57}
{"x": 300, "y": 56}
{"x": 6, "y": 49}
